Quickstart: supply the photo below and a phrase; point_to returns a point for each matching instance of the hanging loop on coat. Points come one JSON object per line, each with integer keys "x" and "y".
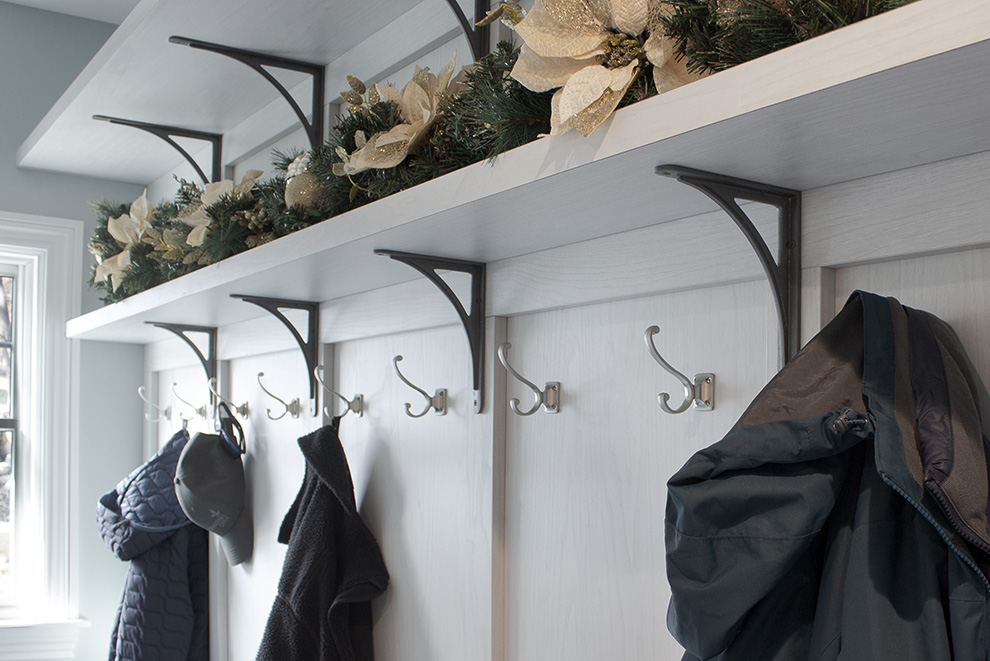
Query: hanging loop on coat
{"x": 700, "y": 394}
{"x": 438, "y": 402}
{"x": 161, "y": 412}
{"x": 292, "y": 408}
{"x": 548, "y": 398}
{"x": 356, "y": 404}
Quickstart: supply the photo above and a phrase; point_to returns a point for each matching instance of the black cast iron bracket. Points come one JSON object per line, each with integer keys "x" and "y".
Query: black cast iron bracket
{"x": 209, "y": 361}
{"x": 167, "y": 133}
{"x": 310, "y": 346}
{"x": 477, "y": 35}
{"x": 257, "y": 61}
{"x": 473, "y": 321}
{"x": 784, "y": 271}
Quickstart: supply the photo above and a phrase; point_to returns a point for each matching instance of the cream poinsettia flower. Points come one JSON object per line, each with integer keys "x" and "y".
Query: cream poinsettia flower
{"x": 114, "y": 267}
{"x": 213, "y": 192}
{"x": 129, "y": 228}
{"x": 199, "y": 220}
{"x": 591, "y": 50}
{"x": 418, "y": 104}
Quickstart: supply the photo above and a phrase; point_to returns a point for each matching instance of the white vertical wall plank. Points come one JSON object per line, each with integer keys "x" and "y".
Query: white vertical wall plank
{"x": 425, "y": 487}
{"x": 585, "y": 488}
{"x": 955, "y": 287}
{"x": 273, "y": 467}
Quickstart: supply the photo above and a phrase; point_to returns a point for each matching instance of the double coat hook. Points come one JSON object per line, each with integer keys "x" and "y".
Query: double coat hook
{"x": 161, "y": 412}
{"x": 701, "y": 393}
{"x": 438, "y": 402}
{"x": 548, "y": 398}
{"x": 292, "y": 408}
{"x": 242, "y": 410}
{"x": 356, "y": 404}
{"x": 199, "y": 411}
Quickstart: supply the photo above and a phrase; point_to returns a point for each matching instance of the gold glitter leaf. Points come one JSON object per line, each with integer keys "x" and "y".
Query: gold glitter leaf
{"x": 352, "y": 97}
{"x": 492, "y": 16}
{"x": 356, "y": 84}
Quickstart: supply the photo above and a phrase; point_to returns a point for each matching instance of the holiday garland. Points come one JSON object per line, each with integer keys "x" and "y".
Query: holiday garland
{"x": 579, "y": 61}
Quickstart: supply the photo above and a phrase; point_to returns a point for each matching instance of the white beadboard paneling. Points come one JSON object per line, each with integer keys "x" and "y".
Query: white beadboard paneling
{"x": 585, "y": 488}
{"x": 273, "y": 467}
{"x": 425, "y": 487}
{"x": 954, "y": 287}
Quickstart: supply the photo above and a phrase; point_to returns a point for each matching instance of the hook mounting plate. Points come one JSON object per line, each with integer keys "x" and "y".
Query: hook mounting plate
{"x": 704, "y": 392}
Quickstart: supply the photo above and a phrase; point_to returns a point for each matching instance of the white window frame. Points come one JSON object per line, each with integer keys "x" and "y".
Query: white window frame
{"x": 49, "y": 252}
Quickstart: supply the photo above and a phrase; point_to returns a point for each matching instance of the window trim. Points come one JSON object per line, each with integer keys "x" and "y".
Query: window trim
{"x": 56, "y": 245}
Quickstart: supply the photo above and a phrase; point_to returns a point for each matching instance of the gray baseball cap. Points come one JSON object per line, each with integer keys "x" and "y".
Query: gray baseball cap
{"x": 209, "y": 483}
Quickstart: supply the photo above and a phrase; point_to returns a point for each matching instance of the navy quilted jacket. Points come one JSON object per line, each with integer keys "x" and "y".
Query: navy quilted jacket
{"x": 163, "y": 613}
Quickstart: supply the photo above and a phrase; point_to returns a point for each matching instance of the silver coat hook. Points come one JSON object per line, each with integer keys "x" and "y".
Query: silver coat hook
{"x": 292, "y": 408}
{"x": 241, "y": 410}
{"x": 162, "y": 412}
{"x": 356, "y": 404}
{"x": 197, "y": 410}
{"x": 701, "y": 393}
{"x": 548, "y": 398}
{"x": 438, "y": 402}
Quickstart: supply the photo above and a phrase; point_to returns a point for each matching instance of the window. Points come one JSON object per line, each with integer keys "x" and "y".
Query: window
{"x": 8, "y": 428}
{"x": 40, "y": 289}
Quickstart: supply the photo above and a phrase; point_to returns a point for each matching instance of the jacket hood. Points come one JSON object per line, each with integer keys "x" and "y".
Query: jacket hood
{"x": 883, "y": 399}
{"x": 921, "y": 392}
{"x": 142, "y": 511}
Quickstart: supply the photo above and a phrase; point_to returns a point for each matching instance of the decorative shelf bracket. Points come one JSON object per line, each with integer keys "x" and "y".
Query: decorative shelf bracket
{"x": 473, "y": 321}
{"x": 257, "y": 61}
{"x": 208, "y": 361}
{"x": 167, "y": 133}
{"x": 477, "y": 35}
{"x": 783, "y": 272}
{"x": 309, "y": 346}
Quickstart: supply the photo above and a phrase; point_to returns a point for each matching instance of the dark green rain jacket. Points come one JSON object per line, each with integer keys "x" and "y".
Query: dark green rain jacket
{"x": 846, "y": 515}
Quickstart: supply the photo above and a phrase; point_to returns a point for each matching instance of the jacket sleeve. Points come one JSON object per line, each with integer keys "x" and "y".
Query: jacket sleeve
{"x": 741, "y": 513}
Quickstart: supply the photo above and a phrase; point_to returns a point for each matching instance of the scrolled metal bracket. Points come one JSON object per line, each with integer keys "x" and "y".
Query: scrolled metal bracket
{"x": 208, "y": 361}
{"x": 783, "y": 272}
{"x": 167, "y": 133}
{"x": 257, "y": 61}
{"x": 477, "y": 35}
{"x": 473, "y": 321}
{"x": 309, "y": 346}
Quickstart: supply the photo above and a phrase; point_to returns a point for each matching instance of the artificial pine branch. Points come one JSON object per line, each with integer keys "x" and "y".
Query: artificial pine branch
{"x": 494, "y": 114}
{"x": 717, "y": 34}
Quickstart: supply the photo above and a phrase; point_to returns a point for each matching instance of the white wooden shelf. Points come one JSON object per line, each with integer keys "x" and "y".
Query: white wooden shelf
{"x": 906, "y": 88}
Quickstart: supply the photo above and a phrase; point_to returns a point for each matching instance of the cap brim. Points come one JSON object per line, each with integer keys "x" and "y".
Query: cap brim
{"x": 239, "y": 540}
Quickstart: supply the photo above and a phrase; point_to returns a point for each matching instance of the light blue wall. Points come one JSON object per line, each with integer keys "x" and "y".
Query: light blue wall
{"x": 41, "y": 53}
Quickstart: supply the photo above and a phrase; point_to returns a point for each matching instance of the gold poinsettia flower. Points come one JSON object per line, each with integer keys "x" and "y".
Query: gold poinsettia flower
{"x": 592, "y": 50}
{"x": 199, "y": 220}
{"x": 419, "y": 106}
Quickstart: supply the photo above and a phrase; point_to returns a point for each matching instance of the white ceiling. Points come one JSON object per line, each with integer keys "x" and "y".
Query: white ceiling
{"x": 108, "y": 11}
